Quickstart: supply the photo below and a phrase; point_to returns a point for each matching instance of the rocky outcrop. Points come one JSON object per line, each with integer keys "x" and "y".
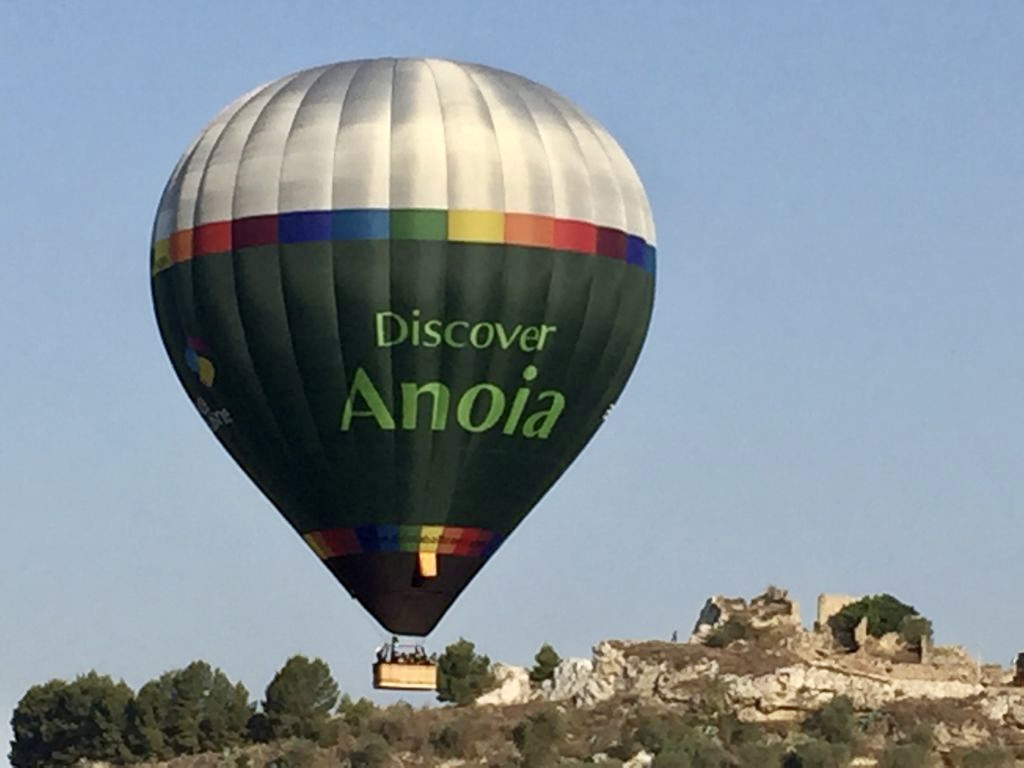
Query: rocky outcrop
{"x": 782, "y": 672}
{"x": 771, "y": 609}
{"x": 512, "y": 686}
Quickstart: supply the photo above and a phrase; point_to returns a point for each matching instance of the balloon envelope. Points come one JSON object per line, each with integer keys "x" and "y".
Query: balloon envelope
{"x": 403, "y": 294}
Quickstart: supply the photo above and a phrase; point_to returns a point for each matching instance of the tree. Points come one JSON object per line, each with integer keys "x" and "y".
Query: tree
{"x": 300, "y": 698}
{"x": 355, "y": 712}
{"x": 60, "y": 723}
{"x": 188, "y": 711}
{"x": 914, "y": 630}
{"x": 884, "y": 613}
{"x": 462, "y": 675}
{"x": 544, "y": 664}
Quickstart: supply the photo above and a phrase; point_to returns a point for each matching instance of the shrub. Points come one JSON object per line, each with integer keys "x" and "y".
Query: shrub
{"x": 300, "y": 698}
{"x": 834, "y": 722}
{"x": 371, "y": 752}
{"x": 904, "y": 756}
{"x": 537, "y": 738}
{"x": 712, "y": 700}
{"x": 658, "y": 733}
{"x": 987, "y": 757}
{"x": 544, "y": 664}
{"x": 697, "y": 751}
{"x": 296, "y": 753}
{"x": 733, "y": 732}
{"x": 732, "y": 630}
{"x": 462, "y": 674}
{"x": 449, "y": 742}
{"x": 817, "y": 754}
{"x": 758, "y": 755}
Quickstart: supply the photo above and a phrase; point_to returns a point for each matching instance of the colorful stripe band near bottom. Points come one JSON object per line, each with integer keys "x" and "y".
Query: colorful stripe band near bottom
{"x": 440, "y": 539}
{"x": 463, "y": 226}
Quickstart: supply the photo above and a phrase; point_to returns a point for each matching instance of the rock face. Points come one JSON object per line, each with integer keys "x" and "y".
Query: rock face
{"x": 513, "y": 686}
{"x": 574, "y": 681}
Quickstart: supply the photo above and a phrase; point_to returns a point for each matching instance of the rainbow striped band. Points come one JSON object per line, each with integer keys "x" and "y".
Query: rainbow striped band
{"x": 439, "y": 539}
{"x": 463, "y": 226}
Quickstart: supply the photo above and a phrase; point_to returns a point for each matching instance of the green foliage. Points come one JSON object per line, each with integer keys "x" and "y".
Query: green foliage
{"x": 257, "y": 730}
{"x": 544, "y": 664}
{"x": 657, "y": 733}
{"x": 733, "y": 732}
{"x": 355, "y": 713}
{"x": 758, "y": 755}
{"x": 817, "y": 754}
{"x": 538, "y": 737}
{"x": 676, "y": 742}
{"x": 834, "y": 723}
{"x": 60, "y": 723}
{"x": 371, "y": 752}
{"x": 449, "y": 742}
{"x": 904, "y": 756}
{"x": 914, "y": 630}
{"x": 987, "y": 757}
{"x": 296, "y": 753}
{"x": 188, "y": 711}
{"x": 732, "y": 630}
{"x": 883, "y": 613}
{"x": 462, "y": 674}
{"x": 300, "y": 698}
{"x": 696, "y": 751}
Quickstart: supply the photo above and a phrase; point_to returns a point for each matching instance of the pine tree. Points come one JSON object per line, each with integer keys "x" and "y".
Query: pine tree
{"x": 300, "y": 698}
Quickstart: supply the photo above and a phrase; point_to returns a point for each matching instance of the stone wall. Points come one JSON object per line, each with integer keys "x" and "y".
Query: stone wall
{"x": 829, "y": 605}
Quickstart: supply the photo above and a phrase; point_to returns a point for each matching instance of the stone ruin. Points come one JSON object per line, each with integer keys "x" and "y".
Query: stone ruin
{"x": 772, "y": 608}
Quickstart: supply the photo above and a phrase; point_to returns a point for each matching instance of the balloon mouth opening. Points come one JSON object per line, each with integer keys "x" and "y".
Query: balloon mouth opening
{"x": 406, "y": 592}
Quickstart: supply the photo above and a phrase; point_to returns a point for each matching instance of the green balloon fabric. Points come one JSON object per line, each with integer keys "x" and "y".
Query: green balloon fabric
{"x": 403, "y": 294}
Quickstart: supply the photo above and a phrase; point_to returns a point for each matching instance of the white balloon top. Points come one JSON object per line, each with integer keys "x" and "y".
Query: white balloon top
{"x": 404, "y": 134}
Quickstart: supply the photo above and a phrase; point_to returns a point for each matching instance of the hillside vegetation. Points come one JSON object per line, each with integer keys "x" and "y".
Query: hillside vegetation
{"x": 750, "y": 689}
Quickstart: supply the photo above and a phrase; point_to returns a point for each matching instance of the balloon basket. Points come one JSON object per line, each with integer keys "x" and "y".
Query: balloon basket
{"x": 405, "y": 676}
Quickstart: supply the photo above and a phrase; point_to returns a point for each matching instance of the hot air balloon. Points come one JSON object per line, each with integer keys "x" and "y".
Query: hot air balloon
{"x": 403, "y": 294}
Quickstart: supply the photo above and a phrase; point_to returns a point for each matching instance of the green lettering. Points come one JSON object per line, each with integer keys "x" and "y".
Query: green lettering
{"x": 415, "y": 328}
{"x": 361, "y": 385}
{"x": 474, "y": 336}
{"x": 544, "y": 330}
{"x": 411, "y": 399}
{"x": 530, "y": 339}
{"x": 464, "y": 412}
{"x": 519, "y": 402}
{"x": 504, "y": 340}
{"x": 382, "y": 340}
{"x": 541, "y": 423}
{"x": 449, "y": 338}
{"x": 432, "y": 333}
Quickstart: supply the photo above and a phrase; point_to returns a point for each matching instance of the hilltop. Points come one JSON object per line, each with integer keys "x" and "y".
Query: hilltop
{"x": 750, "y": 687}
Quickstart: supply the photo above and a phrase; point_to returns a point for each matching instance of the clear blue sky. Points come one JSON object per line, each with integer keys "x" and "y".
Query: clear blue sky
{"x": 831, "y": 397}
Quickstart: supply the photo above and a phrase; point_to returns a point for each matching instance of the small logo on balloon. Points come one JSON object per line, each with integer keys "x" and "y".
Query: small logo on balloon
{"x": 196, "y": 358}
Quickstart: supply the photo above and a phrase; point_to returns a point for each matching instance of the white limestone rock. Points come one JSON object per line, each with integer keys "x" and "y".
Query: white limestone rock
{"x": 513, "y": 686}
